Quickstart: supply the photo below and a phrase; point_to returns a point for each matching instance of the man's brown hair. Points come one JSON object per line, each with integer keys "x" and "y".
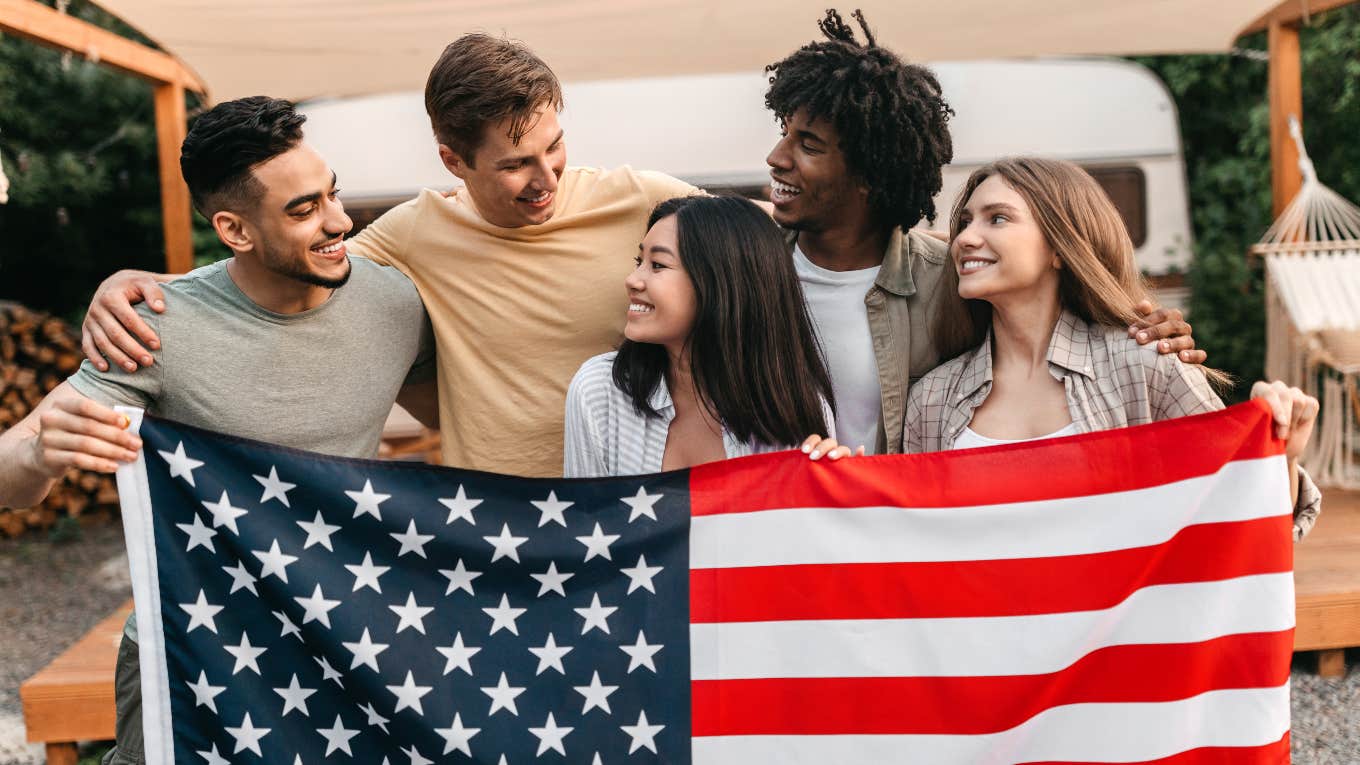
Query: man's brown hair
{"x": 480, "y": 80}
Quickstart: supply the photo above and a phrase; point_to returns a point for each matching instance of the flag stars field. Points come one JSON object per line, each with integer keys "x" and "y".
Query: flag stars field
{"x": 460, "y": 507}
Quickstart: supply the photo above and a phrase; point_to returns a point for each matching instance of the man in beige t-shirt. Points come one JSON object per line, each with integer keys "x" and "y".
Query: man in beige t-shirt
{"x": 521, "y": 269}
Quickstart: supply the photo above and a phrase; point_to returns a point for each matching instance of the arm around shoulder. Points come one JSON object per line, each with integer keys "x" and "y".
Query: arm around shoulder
{"x": 1176, "y": 389}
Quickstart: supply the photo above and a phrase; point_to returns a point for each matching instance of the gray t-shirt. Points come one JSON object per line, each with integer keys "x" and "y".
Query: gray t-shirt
{"x": 323, "y": 380}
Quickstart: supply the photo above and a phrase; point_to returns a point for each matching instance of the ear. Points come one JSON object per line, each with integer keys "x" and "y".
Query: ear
{"x": 454, "y": 162}
{"x": 232, "y": 229}
{"x": 1057, "y": 262}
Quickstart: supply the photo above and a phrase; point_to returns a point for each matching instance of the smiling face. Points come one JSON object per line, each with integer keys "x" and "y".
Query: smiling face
{"x": 810, "y": 185}
{"x": 514, "y": 184}
{"x": 999, "y": 250}
{"x": 297, "y": 226}
{"x": 662, "y": 303}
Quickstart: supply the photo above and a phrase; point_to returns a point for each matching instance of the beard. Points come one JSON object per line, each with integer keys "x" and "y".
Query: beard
{"x": 297, "y": 270}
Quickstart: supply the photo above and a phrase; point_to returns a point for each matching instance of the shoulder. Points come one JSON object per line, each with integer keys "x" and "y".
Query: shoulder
{"x": 936, "y": 386}
{"x": 368, "y": 275}
{"x": 925, "y": 247}
{"x": 1125, "y": 354}
{"x": 650, "y": 186}
{"x": 596, "y": 373}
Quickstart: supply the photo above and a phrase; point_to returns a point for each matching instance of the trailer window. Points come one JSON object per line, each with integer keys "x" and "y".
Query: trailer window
{"x": 1127, "y": 188}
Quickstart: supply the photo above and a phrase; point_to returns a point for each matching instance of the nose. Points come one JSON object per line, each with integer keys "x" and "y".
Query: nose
{"x": 337, "y": 222}
{"x": 779, "y": 157}
{"x": 545, "y": 177}
{"x": 634, "y": 281}
{"x": 967, "y": 238}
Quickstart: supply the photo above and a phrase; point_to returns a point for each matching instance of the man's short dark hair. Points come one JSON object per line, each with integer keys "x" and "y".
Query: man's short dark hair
{"x": 890, "y": 117}
{"x": 229, "y": 139}
{"x": 480, "y": 80}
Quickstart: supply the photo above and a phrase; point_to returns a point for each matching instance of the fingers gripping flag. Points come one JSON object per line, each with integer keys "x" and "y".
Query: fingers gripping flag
{"x": 1123, "y": 596}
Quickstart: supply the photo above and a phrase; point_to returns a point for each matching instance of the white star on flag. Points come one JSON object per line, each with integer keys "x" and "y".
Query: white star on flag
{"x": 505, "y": 544}
{"x": 295, "y": 697}
{"x": 640, "y": 653}
{"x": 550, "y": 655}
{"x": 199, "y": 534}
{"x": 409, "y": 694}
{"x": 460, "y": 578}
{"x": 366, "y": 574}
{"x": 365, "y": 651}
{"x": 367, "y": 501}
{"x": 550, "y": 736}
{"x": 273, "y": 487}
{"x": 317, "y": 607}
{"x": 205, "y": 693}
{"x": 460, "y": 507}
{"x": 503, "y": 616}
{"x": 337, "y": 737}
{"x": 503, "y": 696}
{"x": 213, "y": 757}
{"x": 457, "y": 737}
{"x": 318, "y": 532}
{"x": 245, "y": 654}
{"x": 597, "y": 695}
{"x": 373, "y": 717}
{"x": 551, "y": 509}
{"x": 223, "y": 514}
{"x": 201, "y": 613}
{"x": 412, "y": 614}
{"x": 416, "y": 757}
{"x": 642, "y": 733}
{"x": 641, "y": 575}
{"x": 241, "y": 578}
{"x": 598, "y": 543}
{"x": 328, "y": 672}
{"x": 274, "y": 562}
{"x": 411, "y": 540}
{"x": 180, "y": 464}
{"x": 642, "y": 504}
{"x": 458, "y": 655}
{"x": 551, "y": 580}
{"x": 288, "y": 627}
{"x": 596, "y": 615}
{"x": 248, "y": 736}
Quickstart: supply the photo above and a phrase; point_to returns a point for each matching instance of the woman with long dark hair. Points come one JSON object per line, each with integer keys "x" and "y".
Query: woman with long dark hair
{"x": 719, "y": 359}
{"x": 1040, "y": 299}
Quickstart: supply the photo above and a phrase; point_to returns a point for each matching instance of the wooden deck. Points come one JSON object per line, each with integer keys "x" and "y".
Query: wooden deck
{"x": 1327, "y": 582}
{"x": 71, "y": 699}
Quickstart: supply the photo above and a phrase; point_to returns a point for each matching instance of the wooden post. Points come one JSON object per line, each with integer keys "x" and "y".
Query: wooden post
{"x": 176, "y": 212}
{"x": 1286, "y": 99}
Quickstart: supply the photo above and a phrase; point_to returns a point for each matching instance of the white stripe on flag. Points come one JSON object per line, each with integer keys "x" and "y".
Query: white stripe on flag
{"x": 1073, "y": 526}
{"x": 989, "y": 646}
{"x": 1078, "y": 732}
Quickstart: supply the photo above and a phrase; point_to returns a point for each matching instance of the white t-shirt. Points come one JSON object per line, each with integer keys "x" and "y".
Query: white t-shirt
{"x": 971, "y": 439}
{"x": 835, "y": 300}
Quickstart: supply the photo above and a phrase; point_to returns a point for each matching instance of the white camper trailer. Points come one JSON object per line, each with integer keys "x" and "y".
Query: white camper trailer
{"x": 1113, "y": 117}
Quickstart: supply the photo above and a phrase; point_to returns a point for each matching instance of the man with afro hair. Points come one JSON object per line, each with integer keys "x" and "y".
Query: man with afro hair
{"x": 865, "y": 136}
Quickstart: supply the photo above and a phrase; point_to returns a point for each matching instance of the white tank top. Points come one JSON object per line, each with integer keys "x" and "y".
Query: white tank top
{"x": 970, "y": 439}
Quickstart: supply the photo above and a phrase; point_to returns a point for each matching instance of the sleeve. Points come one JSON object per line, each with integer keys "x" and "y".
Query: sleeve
{"x": 120, "y": 387}
{"x": 1308, "y": 506}
{"x": 582, "y": 455}
{"x": 660, "y": 187}
{"x": 913, "y": 435}
{"x": 385, "y": 240}
{"x": 1176, "y": 389}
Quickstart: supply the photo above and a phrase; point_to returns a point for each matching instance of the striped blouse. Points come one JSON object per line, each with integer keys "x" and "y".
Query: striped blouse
{"x": 606, "y": 436}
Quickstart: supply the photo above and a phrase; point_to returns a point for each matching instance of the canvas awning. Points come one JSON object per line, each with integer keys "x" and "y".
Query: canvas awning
{"x": 303, "y": 48}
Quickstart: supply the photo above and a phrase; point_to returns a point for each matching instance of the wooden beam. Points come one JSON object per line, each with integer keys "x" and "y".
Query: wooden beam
{"x": 34, "y": 21}
{"x": 176, "y": 209}
{"x": 1293, "y": 13}
{"x": 1286, "y": 99}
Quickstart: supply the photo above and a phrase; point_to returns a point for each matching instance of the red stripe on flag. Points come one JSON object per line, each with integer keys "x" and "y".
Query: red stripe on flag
{"x": 980, "y": 705}
{"x": 1017, "y": 587}
{"x": 1124, "y": 459}
{"x": 1274, "y": 753}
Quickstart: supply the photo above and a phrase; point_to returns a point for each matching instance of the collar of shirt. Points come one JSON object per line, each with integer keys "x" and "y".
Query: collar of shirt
{"x": 895, "y": 274}
{"x": 1069, "y": 352}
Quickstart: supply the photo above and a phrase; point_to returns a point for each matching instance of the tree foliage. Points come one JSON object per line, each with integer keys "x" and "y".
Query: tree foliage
{"x": 1225, "y": 127}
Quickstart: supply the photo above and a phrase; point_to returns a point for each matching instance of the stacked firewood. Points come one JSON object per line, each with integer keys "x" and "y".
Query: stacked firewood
{"x": 37, "y": 352}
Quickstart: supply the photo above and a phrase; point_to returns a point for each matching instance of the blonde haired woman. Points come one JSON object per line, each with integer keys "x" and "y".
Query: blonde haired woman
{"x": 1046, "y": 285}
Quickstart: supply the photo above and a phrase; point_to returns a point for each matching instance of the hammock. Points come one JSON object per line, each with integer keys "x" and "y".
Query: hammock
{"x": 1312, "y": 257}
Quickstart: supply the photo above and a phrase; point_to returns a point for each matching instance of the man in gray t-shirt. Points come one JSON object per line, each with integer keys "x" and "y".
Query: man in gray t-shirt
{"x": 288, "y": 341}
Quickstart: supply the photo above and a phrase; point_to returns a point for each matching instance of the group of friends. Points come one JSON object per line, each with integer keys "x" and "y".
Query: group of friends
{"x": 556, "y": 320}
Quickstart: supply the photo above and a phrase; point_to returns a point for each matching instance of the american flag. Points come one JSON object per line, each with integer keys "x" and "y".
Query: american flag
{"x": 1123, "y": 596}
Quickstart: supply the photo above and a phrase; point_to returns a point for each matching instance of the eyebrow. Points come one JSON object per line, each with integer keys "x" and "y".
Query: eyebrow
{"x": 506, "y": 161}
{"x": 656, "y": 248}
{"x": 308, "y": 198}
{"x": 806, "y": 134}
{"x": 998, "y": 206}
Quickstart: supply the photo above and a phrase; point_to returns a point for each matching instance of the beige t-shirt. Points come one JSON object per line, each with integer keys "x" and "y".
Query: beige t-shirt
{"x": 516, "y": 311}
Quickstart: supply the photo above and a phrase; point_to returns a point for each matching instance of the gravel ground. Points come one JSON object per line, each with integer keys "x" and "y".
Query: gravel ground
{"x": 53, "y": 593}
